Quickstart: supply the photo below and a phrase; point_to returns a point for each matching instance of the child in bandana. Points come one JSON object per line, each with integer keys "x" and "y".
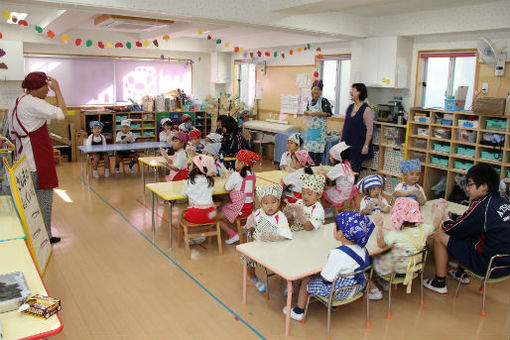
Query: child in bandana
{"x": 186, "y": 125}
{"x": 307, "y": 213}
{"x": 177, "y": 164}
{"x": 344, "y": 188}
{"x": 293, "y": 145}
{"x": 353, "y": 230}
{"x": 408, "y": 236}
{"x": 167, "y": 133}
{"x": 373, "y": 201}
{"x": 301, "y": 162}
{"x": 213, "y": 138}
{"x": 96, "y": 138}
{"x": 241, "y": 185}
{"x": 195, "y": 146}
{"x": 213, "y": 150}
{"x": 410, "y": 188}
{"x": 267, "y": 224}
{"x": 124, "y": 136}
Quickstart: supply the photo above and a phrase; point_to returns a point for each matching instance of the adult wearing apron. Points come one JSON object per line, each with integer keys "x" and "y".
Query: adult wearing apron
{"x": 358, "y": 127}
{"x": 317, "y": 112}
{"x": 28, "y": 129}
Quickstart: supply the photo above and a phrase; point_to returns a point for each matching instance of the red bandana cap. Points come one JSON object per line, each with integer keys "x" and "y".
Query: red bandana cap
{"x": 248, "y": 157}
{"x": 181, "y": 136}
{"x": 185, "y": 116}
{"x": 195, "y": 134}
{"x": 34, "y": 80}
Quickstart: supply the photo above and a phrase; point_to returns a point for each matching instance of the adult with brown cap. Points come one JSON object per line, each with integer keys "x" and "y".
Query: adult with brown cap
{"x": 28, "y": 129}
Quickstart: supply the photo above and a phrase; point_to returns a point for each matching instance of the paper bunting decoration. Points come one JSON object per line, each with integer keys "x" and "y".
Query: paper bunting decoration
{"x": 199, "y": 58}
{"x": 166, "y": 37}
{"x": 7, "y": 15}
{"x": 119, "y": 45}
{"x": 138, "y": 44}
{"x": 200, "y": 31}
{"x": 241, "y": 49}
{"x": 3, "y": 66}
{"x": 283, "y": 55}
{"x": 65, "y": 38}
{"x": 318, "y": 49}
{"x": 14, "y": 19}
{"x": 291, "y": 52}
{"x": 109, "y": 45}
{"x": 38, "y": 29}
{"x": 77, "y": 42}
{"x": 259, "y": 54}
{"x": 23, "y": 23}
{"x": 299, "y": 49}
{"x": 267, "y": 54}
{"x": 88, "y": 43}
{"x": 162, "y": 57}
{"x": 100, "y": 44}
{"x": 50, "y": 34}
{"x": 128, "y": 45}
{"x": 146, "y": 43}
{"x": 251, "y": 54}
{"x": 209, "y": 37}
{"x": 155, "y": 42}
{"x": 275, "y": 54}
{"x": 227, "y": 44}
{"x": 319, "y": 56}
{"x": 308, "y": 46}
{"x": 1, "y": 35}
{"x": 2, "y": 53}
{"x": 316, "y": 74}
{"x": 236, "y": 49}
{"x": 218, "y": 41}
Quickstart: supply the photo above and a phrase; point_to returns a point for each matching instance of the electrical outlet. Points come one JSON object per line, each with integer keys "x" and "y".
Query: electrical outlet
{"x": 485, "y": 88}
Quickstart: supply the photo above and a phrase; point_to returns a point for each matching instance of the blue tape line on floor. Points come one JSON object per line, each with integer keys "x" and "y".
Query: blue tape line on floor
{"x": 175, "y": 263}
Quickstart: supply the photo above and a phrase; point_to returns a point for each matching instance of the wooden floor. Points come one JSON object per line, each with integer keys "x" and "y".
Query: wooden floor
{"x": 115, "y": 284}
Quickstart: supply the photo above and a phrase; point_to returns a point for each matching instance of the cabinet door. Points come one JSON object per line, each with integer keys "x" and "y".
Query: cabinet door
{"x": 387, "y": 60}
{"x": 369, "y": 74}
{"x": 14, "y": 60}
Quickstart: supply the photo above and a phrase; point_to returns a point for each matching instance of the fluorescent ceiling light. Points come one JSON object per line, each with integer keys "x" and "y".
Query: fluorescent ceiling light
{"x": 19, "y": 16}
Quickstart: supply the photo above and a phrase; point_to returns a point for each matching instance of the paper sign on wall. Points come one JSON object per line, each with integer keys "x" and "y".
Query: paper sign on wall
{"x": 23, "y": 192}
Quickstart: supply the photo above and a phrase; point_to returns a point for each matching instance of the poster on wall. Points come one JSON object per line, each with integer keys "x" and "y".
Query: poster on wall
{"x": 23, "y": 193}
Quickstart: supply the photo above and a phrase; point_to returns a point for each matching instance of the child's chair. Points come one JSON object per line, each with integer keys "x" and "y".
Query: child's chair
{"x": 192, "y": 230}
{"x": 417, "y": 260}
{"x": 486, "y": 279}
{"x": 91, "y": 165}
{"x": 125, "y": 161}
{"x": 240, "y": 223}
{"x": 331, "y": 302}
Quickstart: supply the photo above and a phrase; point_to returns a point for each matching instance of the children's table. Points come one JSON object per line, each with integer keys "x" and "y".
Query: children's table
{"x": 154, "y": 162}
{"x": 275, "y": 176}
{"x": 11, "y": 228}
{"x": 15, "y": 257}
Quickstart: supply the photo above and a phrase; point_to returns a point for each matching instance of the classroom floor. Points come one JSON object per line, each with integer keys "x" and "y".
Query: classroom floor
{"x": 115, "y": 283}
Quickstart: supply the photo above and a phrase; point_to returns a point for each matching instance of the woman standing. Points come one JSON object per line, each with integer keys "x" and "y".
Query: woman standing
{"x": 358, "y": 127}
{"x": 28, "y": 129}
{"x": 318, "y": 110}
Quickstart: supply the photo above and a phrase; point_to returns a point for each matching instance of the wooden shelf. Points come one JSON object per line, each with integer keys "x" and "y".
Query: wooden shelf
{"x": 459, "y": 171}
{"x": 441, "y": 139}
{"x": 419, "y": 123}
{"x": 390, "y": 124}
{"x": 489, "y": 161}
{"x": 441, "y": 125}
{"x": 457, "y": 156}
{"x": 439, "y": 153}
{"x": 393, "y": 146}
{"x": 418, "y": 136}
{"x": 438, "y": 167}
{"x": 382, "y": 172}
{"x": 464, "y": 143}
{"x": 417, "y": 149}
{"x": 500, "y": 132}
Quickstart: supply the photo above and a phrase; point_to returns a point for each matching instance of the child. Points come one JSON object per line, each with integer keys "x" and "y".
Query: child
{"x": 177, "y": 164}
{"x": 213, "y": 150}
{"x": 268, "y": 224}
{"x": 371, "y": 186}
{"x": 232, "y": 141}
{"x": 96, "y": 138}
{"x": 219, "y": 124}
{"x": 308, "y": 213}
{"x": 124, "y": 136}
{"x": 410, "y": 188}
{"x": 408, "y": 237}
{"x": 213, "y": 138}
{"x": 195, "y": 146}
{"x": 186, "y": 125}
{"x": 241, "y": 185}
{"x": 353, "y": 230}
{"x": 167, "y": 133}
{"x": 301, "y": 162}
{"x": 293, "y": 145}
{"x": 344, "y": 188}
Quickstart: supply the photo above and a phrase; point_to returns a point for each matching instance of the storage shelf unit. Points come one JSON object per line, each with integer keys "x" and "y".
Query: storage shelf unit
{"x": 459, "y": 149}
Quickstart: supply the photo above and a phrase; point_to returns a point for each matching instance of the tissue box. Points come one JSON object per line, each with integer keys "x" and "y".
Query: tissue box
{"x": 468, "y": 123}
{"x": 496, "y": 124}
{"x": 454, "y": 104}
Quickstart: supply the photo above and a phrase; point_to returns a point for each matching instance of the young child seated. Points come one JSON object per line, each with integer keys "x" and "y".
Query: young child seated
{"x": 293, "y": 145}
{"x": 177, "y": 164}
{"x": 213, "y": 138}
{"x": 186, "y": 125}
{"x": 241, "y": 184}
{"x": 408, "y": 237}
{"x": 353, "y": 230}
{"x": 96, "y": 138}
{"x": 307, "y": 213}
{"x": 267, "y": 224}
{"x": 195, "y": 145}
{"x": 213, "y": 149}
{"x": 301, "y": 162}
{"x": 344, "y": 188}
{"x": 124, "y": 136}
{"x": 233, "y": 140}
{"x": 371, "y": 186}
{"x": 167, "y": 133}
{"x": 410, "y": 188}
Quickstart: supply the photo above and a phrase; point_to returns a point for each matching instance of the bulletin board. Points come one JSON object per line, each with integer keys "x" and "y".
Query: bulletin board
{"x": 23, "y": 193}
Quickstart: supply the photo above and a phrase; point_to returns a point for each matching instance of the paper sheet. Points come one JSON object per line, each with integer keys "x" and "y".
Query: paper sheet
{"x": 301, "y": 79}
{"x": 289, "y": 103}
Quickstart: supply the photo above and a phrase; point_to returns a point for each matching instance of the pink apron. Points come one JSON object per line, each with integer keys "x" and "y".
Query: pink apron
{"x": 234, "y": 208}
{"x": 344, "y": 188}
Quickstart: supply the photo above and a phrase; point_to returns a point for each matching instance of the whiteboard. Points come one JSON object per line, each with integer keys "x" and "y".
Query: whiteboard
{"x": 23, "y": 192}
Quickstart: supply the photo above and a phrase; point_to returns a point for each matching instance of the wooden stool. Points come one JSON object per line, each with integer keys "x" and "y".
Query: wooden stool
{"x": 57, "y": 156}
{"x": 125, "y": 161}
{"x": 240, "y": 222}
{"x": 192, "y": 230}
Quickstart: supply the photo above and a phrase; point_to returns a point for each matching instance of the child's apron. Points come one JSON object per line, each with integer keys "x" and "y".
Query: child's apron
{"x": 234, "y": 208}
{"x": 315, "y": 140}
{"x": 344, "y": 189}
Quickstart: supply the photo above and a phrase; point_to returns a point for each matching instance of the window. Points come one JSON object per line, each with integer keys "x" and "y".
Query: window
{"x": 443, "y": 73}
{"x": 245, "y": 82}
{"x": 335, "y": 72}
{"x": 93, "y": 81}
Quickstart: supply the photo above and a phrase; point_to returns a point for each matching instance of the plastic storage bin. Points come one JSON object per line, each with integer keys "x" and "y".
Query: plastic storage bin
{"x": 468, "y": 123}
{"x": 438, "y": 160}
{"x": 454, "y": 104}
{"x": 466, "y": 136}
{"x": 419, "y": 144}
{"x": 491, "y": 155}
{"x": 442, "y": 133}
{"x": 442, "y": 147}
{"x": 496, "y": 124}
{"x": 462, "y": 164}
{"x": 421, "y": 119}
{"x": 465, "y": 151}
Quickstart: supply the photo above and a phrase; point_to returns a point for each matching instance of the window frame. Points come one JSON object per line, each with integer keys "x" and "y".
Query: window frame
{"x": 319, "y": 65}
{"x": 237, "y": 79}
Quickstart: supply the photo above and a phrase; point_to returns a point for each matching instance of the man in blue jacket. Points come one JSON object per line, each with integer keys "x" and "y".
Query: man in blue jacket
{"x": 474, "y": 237}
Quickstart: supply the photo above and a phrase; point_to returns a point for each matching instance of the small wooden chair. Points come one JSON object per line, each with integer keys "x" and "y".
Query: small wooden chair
{"x": 241, "y": 222}
{"x": 125, "y": 161}
{"x": 192, "y": 230}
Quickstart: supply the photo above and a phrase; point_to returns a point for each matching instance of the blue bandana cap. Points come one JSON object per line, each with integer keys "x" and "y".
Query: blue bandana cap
{"x": 413, "y": 164}
{"x": 96, "y": 123}
{"x": 368, "y": 182}
{"x": 355, "y": 226}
